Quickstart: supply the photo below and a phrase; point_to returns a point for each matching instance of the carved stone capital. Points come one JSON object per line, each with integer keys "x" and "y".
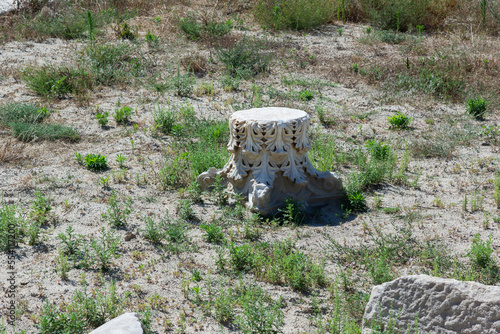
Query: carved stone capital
{"x": 269, "y": 161}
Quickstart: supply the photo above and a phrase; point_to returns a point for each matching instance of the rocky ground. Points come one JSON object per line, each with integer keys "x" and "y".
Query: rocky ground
{"x": 428, "y": 197}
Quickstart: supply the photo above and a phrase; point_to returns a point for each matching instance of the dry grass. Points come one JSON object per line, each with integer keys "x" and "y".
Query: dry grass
{"x": 11, "y": 151}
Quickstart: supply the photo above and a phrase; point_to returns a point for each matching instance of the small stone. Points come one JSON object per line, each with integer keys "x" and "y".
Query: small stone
{"x": 127, "y": 323}
{"x": 129, "y": 236}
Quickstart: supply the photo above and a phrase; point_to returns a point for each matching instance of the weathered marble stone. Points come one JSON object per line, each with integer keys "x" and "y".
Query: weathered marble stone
{"x": 442, "y": 306}
{"x": 269, "y": 161}
{"x": 127, "y": 323}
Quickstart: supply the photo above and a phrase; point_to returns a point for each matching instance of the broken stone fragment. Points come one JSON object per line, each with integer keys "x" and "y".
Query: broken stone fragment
{"x": 127, "y": 323}
{"x": 434, "y": 305}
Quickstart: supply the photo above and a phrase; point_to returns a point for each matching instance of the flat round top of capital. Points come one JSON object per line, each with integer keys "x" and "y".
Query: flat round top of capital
{"x": 271, "y": 114}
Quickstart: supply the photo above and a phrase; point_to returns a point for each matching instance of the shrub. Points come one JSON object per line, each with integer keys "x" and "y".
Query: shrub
{"x": 243, "y": 58}
{"x": 114, "y": 63}
{"x": 95, "y": 162}
{"x": 399, "y": 121}
{"x": 477, "y": 108}
{"x": 293, "y": 14}
{"x": 402, "y": 15}
{"x": 209, "y": 28}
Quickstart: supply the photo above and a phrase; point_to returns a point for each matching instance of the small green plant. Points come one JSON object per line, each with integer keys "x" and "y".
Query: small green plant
{"x": 355, "y": 68}
{"x": 102, "y": 118}
{"x": 70, "y": 242}
{"x": 477, "y": 108}
{"x": 356, "y": 201}
{"x": 40, "y": 207}
{"x": 175, "y": 235}
{"x": 117, "y": 212}
{"x": 206, "y": 89}
{"x": 208, "y": 29}
{"x": 399, "y": 121}
{"x": 213, "y": 233}
{"x": 121, "y": 160}
{"x": 155, "y": 232}
{"x": 306, "y": 95}
{"x": 125, "y": 31}
{"x": 152, "y": 40}
{"x": 340, "y": 30}
{"x": 368, "y": 30}
{"x": 104, "y": 180}
{"x": 322, "y": 116}
{"x": 229, "y": 83}
{"x": 480, "y": 252}
{"x": 292, "y": 213}
{"x": 420, "y": 30}
{"x": 190, "y": 27}
{"x": 183, "y": 84}
{"x": 62, "y": 265}
{"x": 185, "y": 210}
{"x": 122, "y": 115}
{"x": 476, "y": 202}
{"x": 164, "y": 119}
{"x": 260, "y": 313}
{"x": 105, "y": 248}
{"x": 95, "y": 162}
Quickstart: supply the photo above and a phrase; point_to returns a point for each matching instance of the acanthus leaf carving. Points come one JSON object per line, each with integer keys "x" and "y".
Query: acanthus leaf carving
{"x": 264, "y": 170}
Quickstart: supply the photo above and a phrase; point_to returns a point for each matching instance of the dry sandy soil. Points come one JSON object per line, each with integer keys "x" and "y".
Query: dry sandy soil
{"x": 360, "y": 111}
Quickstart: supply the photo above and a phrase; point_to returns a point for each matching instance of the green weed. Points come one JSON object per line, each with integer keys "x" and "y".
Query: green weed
{"x": 399, "y": 121}
{"x": 58, "y": 82}
{"x": 213, "y": 233}
{"x": 277, "y": 263}
{"x": 164, "y": 119}
{"x": 122, "y": 115}
{"x": 102, "y": 118}
{"x": 477, "y": 108}
{"x": 95, "y": 162}
{"x": 117, "y": 212}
